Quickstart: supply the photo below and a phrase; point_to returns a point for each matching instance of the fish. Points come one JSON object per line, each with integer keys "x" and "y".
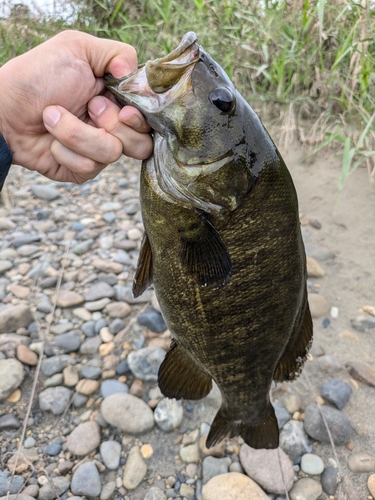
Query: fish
{"x": 222, "y": 243}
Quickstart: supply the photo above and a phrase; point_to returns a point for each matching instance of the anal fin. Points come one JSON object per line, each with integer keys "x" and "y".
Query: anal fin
{"x": 263, "y": 433}
{"x": 294, "y": 356}
{"x": 143, "y": 277}
{"x": 179, "y": 377}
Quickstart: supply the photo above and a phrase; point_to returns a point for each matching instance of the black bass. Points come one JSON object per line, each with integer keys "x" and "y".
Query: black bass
{"x": 222, "y": 242}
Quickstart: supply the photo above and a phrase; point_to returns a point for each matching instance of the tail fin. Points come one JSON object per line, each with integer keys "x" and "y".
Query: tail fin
{"x": 259, "y": 434}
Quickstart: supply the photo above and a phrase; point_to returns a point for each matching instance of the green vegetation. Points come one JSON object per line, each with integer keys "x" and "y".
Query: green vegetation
{"x": 299, "y": 61}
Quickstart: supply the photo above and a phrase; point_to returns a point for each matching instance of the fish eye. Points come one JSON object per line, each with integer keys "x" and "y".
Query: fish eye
{"x": 222, "y": 98}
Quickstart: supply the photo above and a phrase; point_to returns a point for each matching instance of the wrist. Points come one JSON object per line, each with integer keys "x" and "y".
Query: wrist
{"x": 5, "y": 160}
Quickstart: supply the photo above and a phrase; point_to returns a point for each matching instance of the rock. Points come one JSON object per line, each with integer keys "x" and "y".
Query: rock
{"x": 107, "y": 490}
{"x": 362, "y": 373}
{"x": 271, "y": 469}
{"x": 112, "y": 386}
{"x": 110, "y": 452}
{"x": 329, "y": 364}
{"x": 214, "y": 466}
{"x": 135, "y": 469}
{"x": 48, "y": 492}
{"x": 27, "y": 250}
{"x": 11, "y": 376}
{"x": 371, "y": 484}
{"x": 319, "y": 253}
{"x": 53, "y": 381}
{"x": 107, "y": 266}
{"x": 62, "y": 328}
{"x": 87, "y": 386}
{"x": 293, "y": 439}
{"x": 99, "y": 290}
{"x": 25, "y": 240}
{"x": 6, "y": 224}
{"x": 318, "y": 305}
{"x": 56, "y": 364}
{"x": 20, "y": 496}
{"x": 9, "y": 422}
{"x": 168, "y": 414}
{"x": 29, "y": 442}
{"x": 5, "y": 265}
{"x": 190, "y": 453}
{"x": 55, "y": 399}
{"x": 361, "y": 462}
{"x": 232, "y": 486}
{"x": 291, "y": 402}
{"x": 86, "y": 480}
{"x": 70, "y": 376}
{"x": 91, "y": 345}
{"x": 22, "y": 292}
{"x": 145, "y": 363}
{"x": 305, "y": 489}
{"x": 118, "y": 309}
{"x": 329, "y": 480}
{"x": 53, "y": 449}
{"x": 337, "y": 421}
{"x": 14, "y": 317}
{"x": 44, "y": 192}
{"x": 93, "y": 372}
{"x": 312, "y": 464}
{"x": 152, "y": 320}
{"x": 218, "y": 450}
{"x": 5, "y": 479}
{"x": 156, "y": 493}
{"x": 88, "y": 328}
{"x": 281, "y": 414}
{"x": 336, "y": 392}
{"x": 32, "y": 490}
{"x": 128, "y": 413}
{"x": 64, "y": 343}
{"x": 68, "y": 298}
{"x": 147, "y": 451}
{"x": 363, "y": 323}
{"x": 186, "y": 491}
{"x": 98, "y": 305}
{"x": 84, "y": 439}
{"x": 83, "y": 246}
{"x": 49, "y": 282}
{"x": 125, "y": 293}
{"x": 314, "y": 270}
{"x": 116, "y": 326}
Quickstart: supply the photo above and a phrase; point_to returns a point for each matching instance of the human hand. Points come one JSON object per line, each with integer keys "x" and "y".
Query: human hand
{"x": 52, "y": 113}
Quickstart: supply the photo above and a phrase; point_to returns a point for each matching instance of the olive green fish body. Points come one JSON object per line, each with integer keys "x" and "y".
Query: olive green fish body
{"x": 222, "y": 242}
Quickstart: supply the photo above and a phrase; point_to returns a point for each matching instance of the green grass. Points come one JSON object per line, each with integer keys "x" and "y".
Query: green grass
{"x": 314, "y": 57}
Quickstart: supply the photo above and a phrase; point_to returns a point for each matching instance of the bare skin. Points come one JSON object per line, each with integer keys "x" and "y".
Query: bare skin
{"x": 57, "y": 117}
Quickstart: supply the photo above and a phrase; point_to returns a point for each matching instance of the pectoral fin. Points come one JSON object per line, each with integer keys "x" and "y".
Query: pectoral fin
{"x": 143, "y": 277}
{"x": 204, "y": 253}
{"x": 179, "y": 377}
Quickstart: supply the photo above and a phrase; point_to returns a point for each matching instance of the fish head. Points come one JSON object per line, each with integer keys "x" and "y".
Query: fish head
{"x": 204, "y": 152}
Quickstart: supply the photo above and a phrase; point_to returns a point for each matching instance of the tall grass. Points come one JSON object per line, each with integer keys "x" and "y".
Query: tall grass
{"x": 314, "y": 57}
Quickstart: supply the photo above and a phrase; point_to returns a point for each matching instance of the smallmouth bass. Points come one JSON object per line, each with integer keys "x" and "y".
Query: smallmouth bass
{"x": 222, "y": 242}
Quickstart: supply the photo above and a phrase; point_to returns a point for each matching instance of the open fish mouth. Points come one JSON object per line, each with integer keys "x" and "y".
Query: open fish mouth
{"x": 157, "y": 83}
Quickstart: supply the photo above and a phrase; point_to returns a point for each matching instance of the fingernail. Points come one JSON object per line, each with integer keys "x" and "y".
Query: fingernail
{"x": 51, "y": 116}
{"x": 133, "y": 121}
{"x": 97, "y": 105}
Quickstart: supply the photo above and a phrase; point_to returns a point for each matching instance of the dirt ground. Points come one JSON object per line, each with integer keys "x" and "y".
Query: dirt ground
{"x": 348, "y": 229}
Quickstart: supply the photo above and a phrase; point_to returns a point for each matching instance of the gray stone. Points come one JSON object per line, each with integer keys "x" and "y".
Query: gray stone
{"x": 124, "y": 293}
{"x": 44, "y": 192}
{"x": 338, "y": 423}
{"x": 14, "y": 317}
{"x": 281, "y": 414}
{"x": 110, "y": 452}
{"x": 116, "y": 326}
{"x": 293, "y": 439}
{"x": 168, "y": 414}
{"x": 64, "y": 343}
{"x": 86, "y": 480}
{"x": 361, "y": 462}
{"x": 11, "y": 376}
{"x": 98, "y": 305}
{"x": 53, "y": 381}
{"x": 49, "y": 282}
{"x": 122, "y": 367}
{"x": 62, "y": 328}
{"x": 55, "y": 399}
{"x": 91, "y": 345}
{"x": 329, "y": 364}
{"x": 362, "y": 372}
{"x": 84, "y": 439}
{"x": 312, "y": 464}
{"x": 319, "y": 253}
{"x": 79, "y": 400}
{"x": 5, "y": 265}
{"x": 9, "y": 422}
{"x": 83, "y": 246}
{"x": 93, "y": 372}
{"x": 88, "y": 328}
{"x": 107, "y": 490}
{"x": 53, "y": 449}
{"x": 214, "y": 466}
{"x": 112, "y": 386}
{"x": 99, "y": 290}
{"x": 271, "y": 469}
{"x": 145, "y": 363}
{"x": 128, "y": 413}
{"x": 152, "y": 320}
{"x": 19, "y": 496}
{"x": 56, "y": 364}
{"x": 363, "y": 323}
{"x": 26, "y": 240}
{"x": 60, "y": 485}
{"x": 122, "y": 257}
{"x": 336, "y": 392}
{"x": 155, "y": 493}
{"x": 29, "y": 442}
{"x": 305, "y": 489}
{"x": 330, "y": 480}
{"x": 5, "y": 478}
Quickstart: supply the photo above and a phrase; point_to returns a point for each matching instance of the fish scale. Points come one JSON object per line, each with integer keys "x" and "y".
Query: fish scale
{"x": 222, "y": 243}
